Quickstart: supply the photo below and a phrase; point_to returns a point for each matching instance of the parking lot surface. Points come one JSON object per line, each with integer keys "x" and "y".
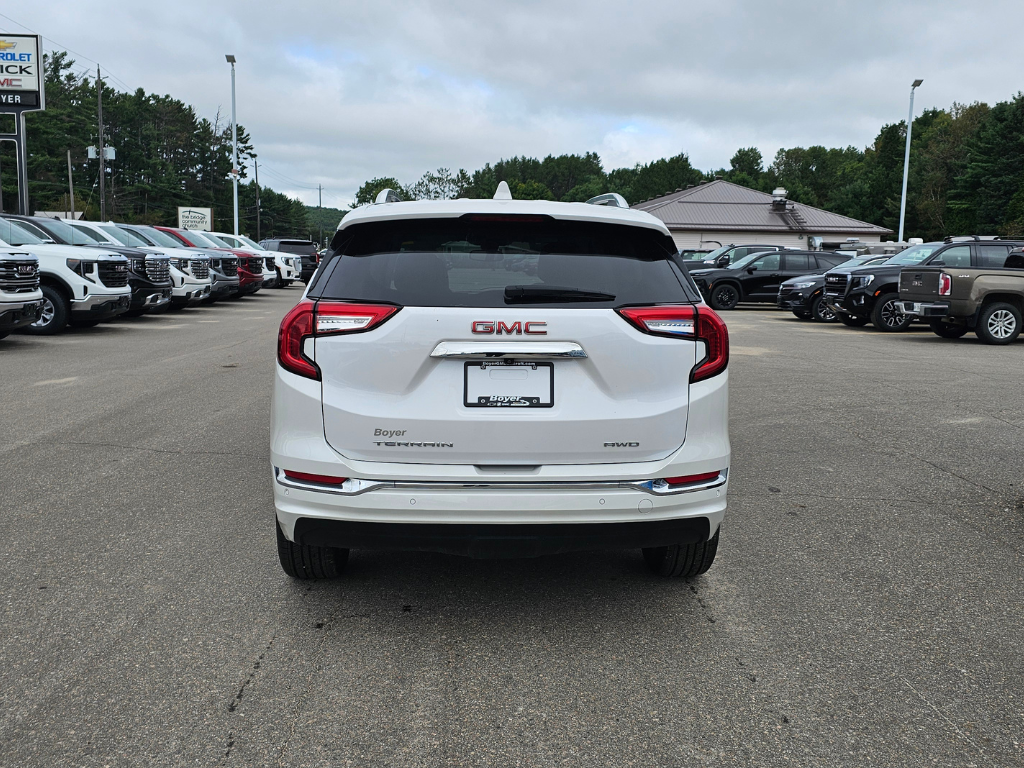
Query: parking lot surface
{"x": 866, "y": 607}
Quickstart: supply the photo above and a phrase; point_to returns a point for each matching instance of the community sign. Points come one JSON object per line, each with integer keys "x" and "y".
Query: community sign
{"x": 195, "y": 218}
{"x": 21, "y": 77}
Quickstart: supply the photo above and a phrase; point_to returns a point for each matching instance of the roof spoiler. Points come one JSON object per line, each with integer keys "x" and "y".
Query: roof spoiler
{"x": 613, "y": 199}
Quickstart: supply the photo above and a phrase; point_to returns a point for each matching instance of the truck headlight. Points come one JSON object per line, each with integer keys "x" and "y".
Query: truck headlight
{"x": 862, "y": 281}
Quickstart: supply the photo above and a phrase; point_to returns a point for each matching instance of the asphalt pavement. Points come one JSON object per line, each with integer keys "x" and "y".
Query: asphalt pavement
{"x": 866, "y": 607}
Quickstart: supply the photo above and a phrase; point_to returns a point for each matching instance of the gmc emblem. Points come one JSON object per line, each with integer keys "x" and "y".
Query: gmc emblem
{"x": 26, "y": 269}
{"x": 532, "y": 327}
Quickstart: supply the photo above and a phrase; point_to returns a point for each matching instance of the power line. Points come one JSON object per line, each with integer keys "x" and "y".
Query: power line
{"x": 110, "y": 74}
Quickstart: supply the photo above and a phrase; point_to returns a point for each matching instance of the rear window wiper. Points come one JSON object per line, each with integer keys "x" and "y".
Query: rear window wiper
{"x": 527, "y": 294}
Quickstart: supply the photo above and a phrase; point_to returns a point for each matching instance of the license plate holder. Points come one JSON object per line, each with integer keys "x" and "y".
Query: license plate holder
{"x": 508, "y": 384}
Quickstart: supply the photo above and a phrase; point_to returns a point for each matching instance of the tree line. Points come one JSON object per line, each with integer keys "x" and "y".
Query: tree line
{"x": 966, "y": 168}
{"x": 966, "y": 175}
{"x": 166, "y": 156}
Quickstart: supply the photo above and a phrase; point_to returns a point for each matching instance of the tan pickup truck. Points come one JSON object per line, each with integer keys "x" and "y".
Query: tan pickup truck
{"x": 955, "y": 300}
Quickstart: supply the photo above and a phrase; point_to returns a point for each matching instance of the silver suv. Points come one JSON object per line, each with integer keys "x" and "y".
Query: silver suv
{"x": 500, "y": 378}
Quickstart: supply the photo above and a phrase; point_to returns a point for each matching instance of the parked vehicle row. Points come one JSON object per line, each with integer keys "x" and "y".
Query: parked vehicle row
{"x": 956, "y": 285}
{"x": 60, "y": 272}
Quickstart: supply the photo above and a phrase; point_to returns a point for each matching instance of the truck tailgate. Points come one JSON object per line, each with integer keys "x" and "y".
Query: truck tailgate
{"x": 920, "y": 284}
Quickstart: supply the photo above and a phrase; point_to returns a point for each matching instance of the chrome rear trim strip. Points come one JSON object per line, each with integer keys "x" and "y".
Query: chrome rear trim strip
{"x": 354, "y": 486}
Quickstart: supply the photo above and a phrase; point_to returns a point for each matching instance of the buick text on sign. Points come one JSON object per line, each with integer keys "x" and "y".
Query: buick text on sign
{"x": 20, "y": 71}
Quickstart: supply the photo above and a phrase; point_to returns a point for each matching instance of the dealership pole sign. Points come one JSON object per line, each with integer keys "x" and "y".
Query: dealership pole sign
{"x": 22, "y": 89}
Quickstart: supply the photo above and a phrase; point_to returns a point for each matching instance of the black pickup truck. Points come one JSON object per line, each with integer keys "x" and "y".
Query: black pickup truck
{"x": 872, "y": 294}
{"x": 955, "y": 300}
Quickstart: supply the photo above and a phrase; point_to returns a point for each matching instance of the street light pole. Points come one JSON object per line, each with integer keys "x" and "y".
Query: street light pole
{"x": 234, "y": 139}
{"x": 906, "y": 157}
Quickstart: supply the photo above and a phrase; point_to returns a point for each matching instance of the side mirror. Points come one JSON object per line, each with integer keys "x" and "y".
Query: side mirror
{"x": 751, "y": 270}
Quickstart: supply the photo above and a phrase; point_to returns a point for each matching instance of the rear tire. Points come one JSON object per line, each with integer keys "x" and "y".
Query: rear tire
{"x": 852, "y": 321}
{"x": 821, "y": 312}
{"x": 55, "y": 314}
{"x": 947, "y": 330}
{"x": 886, "y": 316}
{"x": 301, "y": 561}
{"x": 998, "y": 323}
{"x": 725, "y": 297}
{"x": 686, "y": 560}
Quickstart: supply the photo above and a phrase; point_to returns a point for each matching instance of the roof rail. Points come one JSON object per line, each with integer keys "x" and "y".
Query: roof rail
{"x": 960, "y": 238}
{"x": 613, "y": 199}
{"x": 387, "y": 196}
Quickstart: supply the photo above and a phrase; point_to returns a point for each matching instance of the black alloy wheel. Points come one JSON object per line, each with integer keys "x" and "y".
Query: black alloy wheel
{"x": 725, "y": 296}
{"x": 947, "y": 330}
{"x": 822, "y": 312}
{"x": 887, "y": 316}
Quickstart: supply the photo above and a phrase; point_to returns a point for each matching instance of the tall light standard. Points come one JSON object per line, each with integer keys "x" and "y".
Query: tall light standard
{"x": 906, "y": 154}
{"x": 235, "y": 145}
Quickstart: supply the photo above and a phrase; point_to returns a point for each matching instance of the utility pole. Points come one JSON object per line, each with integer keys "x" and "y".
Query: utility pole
{"x": 906, "y": 157}
{"x": 103, "y": 168}
{"x": 71, "y": 187}
{"x": 319, "y": 211}
{"x": 234, "y": 140}
{"x": 256, "y": 168}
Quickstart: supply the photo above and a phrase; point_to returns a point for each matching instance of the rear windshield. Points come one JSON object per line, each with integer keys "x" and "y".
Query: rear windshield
{"x": 485, "y": 263}
{"x": 296, "y": 246}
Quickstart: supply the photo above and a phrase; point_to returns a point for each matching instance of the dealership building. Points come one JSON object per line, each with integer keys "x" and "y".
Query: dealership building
{"x": 719, "y": 212}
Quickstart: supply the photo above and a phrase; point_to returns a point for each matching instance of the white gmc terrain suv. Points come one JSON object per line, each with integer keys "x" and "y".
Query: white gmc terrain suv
{"x": 500, "y": 378}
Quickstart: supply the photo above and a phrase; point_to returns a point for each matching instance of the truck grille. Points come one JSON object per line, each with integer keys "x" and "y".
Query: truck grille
{"x": 113, "y": 274}
{"x": 227, "y": 267}
{"x": 158, "y": 270}
{"x": 835, "y": 285}
{"x": 19, "y": 275}
{"x": 200, "y": 268}
{"x": 255, "y": 266}
{"x": 270, "y": 263}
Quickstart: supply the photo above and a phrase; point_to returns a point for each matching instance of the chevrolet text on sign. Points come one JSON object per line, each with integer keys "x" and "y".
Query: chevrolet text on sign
{"x": 20, "y": 71}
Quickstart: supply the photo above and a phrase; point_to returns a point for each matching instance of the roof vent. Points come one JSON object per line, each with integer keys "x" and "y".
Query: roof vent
{"x": 779, "y": 199}
{"x": 503, "y": 192}
{"x": 689, "y": 186}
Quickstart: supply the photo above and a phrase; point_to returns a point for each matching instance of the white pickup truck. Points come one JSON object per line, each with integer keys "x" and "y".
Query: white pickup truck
{"x": 21, "y": 301}
{"x": 81, "y": 286}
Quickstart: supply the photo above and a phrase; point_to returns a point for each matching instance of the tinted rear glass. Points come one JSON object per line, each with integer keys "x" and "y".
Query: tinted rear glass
{"x": 480, "y": 263}
{"x": 296, "y": 246}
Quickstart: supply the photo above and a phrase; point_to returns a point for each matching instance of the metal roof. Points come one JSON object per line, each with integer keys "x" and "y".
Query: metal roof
{"x": 722, "y": 205}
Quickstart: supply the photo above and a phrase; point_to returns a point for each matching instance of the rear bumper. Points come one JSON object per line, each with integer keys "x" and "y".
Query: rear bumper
{"x": 925, "y": 309}
{"x": 497, "y": 540}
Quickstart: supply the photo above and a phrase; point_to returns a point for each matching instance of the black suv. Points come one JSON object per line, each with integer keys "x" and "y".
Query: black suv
{"x": 757, "y": 276}
{"x": 304, "y": 248}
{"x": 871, "y": 294}
{"x": 728, "y": 254}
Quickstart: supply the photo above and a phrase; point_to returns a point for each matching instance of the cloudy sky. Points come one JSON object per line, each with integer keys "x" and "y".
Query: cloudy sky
{"x": 336, "y": 92}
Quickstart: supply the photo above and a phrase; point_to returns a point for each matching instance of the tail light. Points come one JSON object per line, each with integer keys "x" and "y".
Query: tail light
{"x": 325, "y": 318}
{"x": 688, "y": 479}
{"x": 296, "y": 327}
{"x": 699, "y": 323}
{"x": 306, "y": 477}
{"x": 945, "y": 284}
